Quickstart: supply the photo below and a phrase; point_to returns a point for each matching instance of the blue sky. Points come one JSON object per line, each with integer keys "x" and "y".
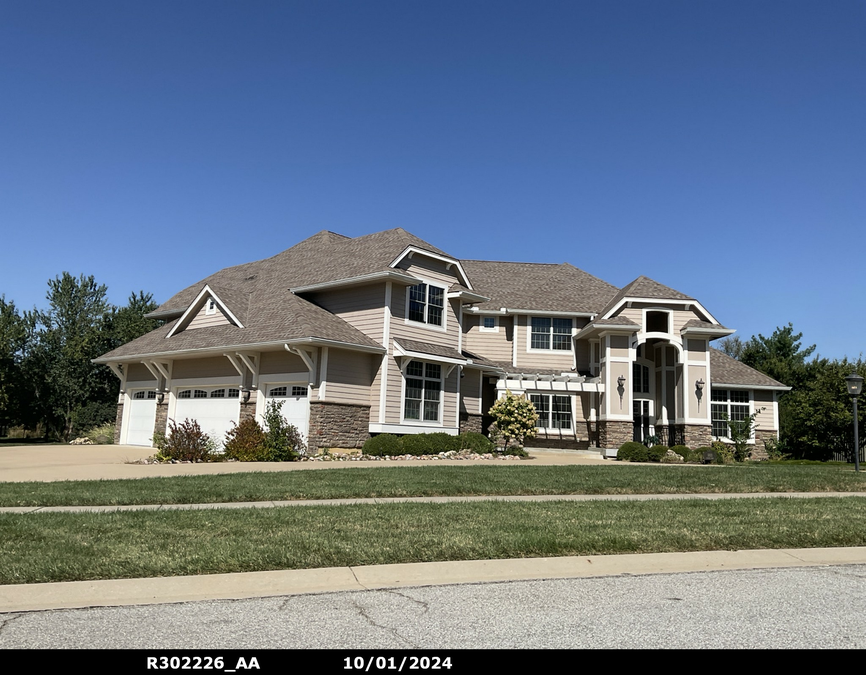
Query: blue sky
{"x": 717, "y": 147}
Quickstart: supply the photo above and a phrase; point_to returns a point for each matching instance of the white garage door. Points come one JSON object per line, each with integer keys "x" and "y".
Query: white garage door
{"x": 142, "y": 414}
{"x": 216, "y": 409}
{"x": 296, "y": 404}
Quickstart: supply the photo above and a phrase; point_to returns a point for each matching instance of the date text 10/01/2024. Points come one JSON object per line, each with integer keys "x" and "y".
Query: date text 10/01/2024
{"x": 379, "y": 663}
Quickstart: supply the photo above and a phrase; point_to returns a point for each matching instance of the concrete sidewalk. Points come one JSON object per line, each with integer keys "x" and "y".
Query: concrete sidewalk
{"x": 112, "y": 593}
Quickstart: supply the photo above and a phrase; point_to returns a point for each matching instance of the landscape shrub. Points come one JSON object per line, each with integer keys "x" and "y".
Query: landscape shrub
{"x": 725, "y": 454}
{"x": 102, "y": 434}
{"x": 684, "y": 452}
{"x": 245, "y": 442}
{"x": 383, "y": 445}
{"x": 477, "y": 443}
{"x": 657, "y": 452}
{"x": 515, "y": 417}
{"x": 185, "y": 442}
{"x": 629, "y": 450}
{"x": 429, "y": 444}
{"x": 699, "y": 453}
{"x": 283, "y": 441}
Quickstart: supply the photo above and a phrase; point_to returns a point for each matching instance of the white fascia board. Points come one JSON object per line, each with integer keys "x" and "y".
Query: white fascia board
{"x": 384, "y": 275}
{"x": 399, "y": 350}
{"x": 487, "y": 312}
{"x": 769, "y": 387}
{"x": 194, "y": 307}
{"x": 604, "y": 329}
{"x": 717, "y": 332}
{"x": 441, "y": 258}
{"x": 661, "y": 301}
{"x": 544, "y": 312}
{"x": 219, "y": 351}
{"x": 467, "y": 296}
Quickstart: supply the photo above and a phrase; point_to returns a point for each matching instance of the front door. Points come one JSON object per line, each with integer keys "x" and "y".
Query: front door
{"x": 642, "y": 429}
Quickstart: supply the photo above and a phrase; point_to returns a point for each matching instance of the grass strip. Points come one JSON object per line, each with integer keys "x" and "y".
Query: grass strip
{"x": 66, "y": 547}
{"x": 434, "y": 481}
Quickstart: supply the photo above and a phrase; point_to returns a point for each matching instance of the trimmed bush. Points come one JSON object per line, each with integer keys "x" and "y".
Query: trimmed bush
{"x": 429, "y": 444}
{"x": 186, "y": 442}
{"x": 684, "y": 452}
{"x": 657, "y": 452}
{"x": 629, "y": 450}
{"x": 477, "y": 443}
{"x": 383, "y": 445}
{"x": 245, "y": 442}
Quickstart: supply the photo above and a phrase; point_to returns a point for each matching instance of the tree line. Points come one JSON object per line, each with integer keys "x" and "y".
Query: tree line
{"x": 47, "y": 381}
{"x": 816, "y": 417}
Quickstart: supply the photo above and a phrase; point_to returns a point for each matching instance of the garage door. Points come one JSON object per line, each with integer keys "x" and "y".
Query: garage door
{"x": 296, "y": 404}
{"x": 216, "y": 409}
{"x": 142, "y": 414}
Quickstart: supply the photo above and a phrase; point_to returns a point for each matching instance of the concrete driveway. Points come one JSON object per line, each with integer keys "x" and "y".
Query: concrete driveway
{"x": 22, "y": 463}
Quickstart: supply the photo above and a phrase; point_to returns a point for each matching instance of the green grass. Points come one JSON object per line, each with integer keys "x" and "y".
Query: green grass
{"x": 437, "y": 481}
{"x": 64, "y": 547}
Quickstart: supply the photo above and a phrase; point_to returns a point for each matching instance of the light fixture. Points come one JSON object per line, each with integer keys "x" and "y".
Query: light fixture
{"x": 246, "y": 395}
{"x": 620, "y": 389}
{"x": 160, "y": 397}
{"x": 855, "y": 386}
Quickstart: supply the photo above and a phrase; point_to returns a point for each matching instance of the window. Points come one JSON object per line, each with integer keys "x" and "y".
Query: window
{"x": 489, "y": 324}
{"x": 640, "y": 379}
{"x": 234, "y": 393}
{"x": 139, "y": 395}
{"x": 211, "y": 306}
{"x": 554, "y": 412}
{"x": 186, "y": 393}
{"x": 423, "y": 392}
{"x": 218, "y": 393}
{"x": 427, "y": 304}
{"x": 550, "y": 333}
{"x": 734, "y": 404}
{"x": 295, "y": 391}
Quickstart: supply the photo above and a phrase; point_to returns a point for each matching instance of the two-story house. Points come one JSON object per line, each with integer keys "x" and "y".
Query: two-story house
{"x": 386, "y": 333}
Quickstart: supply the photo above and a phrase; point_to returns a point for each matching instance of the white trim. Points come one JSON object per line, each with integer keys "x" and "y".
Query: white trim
{"x": 411, "y": 429}
{"x": 196, "y": 306}
{"x": 386, "y": 340}
{"x": 535, "y": 350}
{"x": 494, "y": 329}
{"x": 442, "y": 379}
{"x": 323, "y": 373}
{"x": 388, "y": 275}
{"x": 410, "y": 250}
{"x": 400, "y": 350}
{"x": 767, "y": 387}
{"x": 655, "y": 301}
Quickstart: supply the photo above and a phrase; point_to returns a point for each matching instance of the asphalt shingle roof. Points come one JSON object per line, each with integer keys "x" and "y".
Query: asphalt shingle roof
{"x": 644, "y": 287}
{"x": 727, "y": 370}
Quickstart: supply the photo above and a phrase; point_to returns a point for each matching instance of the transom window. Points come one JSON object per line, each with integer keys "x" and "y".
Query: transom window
{"x": 554, "y": 412}
{"x": 730, "y": 402}
{"x": 296, "y": 391}
{"x": 426, "y": 304}
{"x": 548, "y": 333}
{"x": 423, "y": 391}
{"x": 139, "y": 395}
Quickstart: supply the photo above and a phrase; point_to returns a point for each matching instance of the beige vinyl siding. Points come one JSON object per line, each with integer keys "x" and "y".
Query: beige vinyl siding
{"x": 205, "y": 320}
{"x": 138, "y": 372}
{"x": 764, "y": 421}
{"x": 418, "y": 331}
{"x": 470, "y": 392}
{"x": 277, "y": 363}
{"x": 582, "y": 353}
{"x": 214, "y": 366}
{"x": 494, "y": 346}
{"x": 394, "y": 400}
{"x": 360, "y": 306}
{"x": 538, "y": 359}
{"x": 619, "y": 346}
{"x": 429, "y": 268}
{"x": 349, "y": 376}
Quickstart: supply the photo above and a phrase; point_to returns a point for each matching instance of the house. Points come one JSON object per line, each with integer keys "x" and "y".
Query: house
{"x": 385, "y": 333}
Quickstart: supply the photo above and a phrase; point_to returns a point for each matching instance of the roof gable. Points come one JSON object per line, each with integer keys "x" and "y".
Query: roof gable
{"x": 201, "y": 301}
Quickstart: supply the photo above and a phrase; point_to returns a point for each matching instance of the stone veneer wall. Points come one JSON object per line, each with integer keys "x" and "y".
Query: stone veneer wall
{"x": 118, "y": 422}
{"x": 761, "y": 438}
{"x": 470, "y": 423}
{"x": 697, "y": 435}
{"x": 614, "y": 433}
{"x": 554, "y": 442}
{"x": 337, "y": 425}
{"x": 160, "y": 422}
{"x": 248, "y": 409}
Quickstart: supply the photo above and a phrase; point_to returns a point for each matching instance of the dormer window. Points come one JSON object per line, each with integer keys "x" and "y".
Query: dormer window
{"x": 426, "y": 304}
{"x": 211, "y": 306}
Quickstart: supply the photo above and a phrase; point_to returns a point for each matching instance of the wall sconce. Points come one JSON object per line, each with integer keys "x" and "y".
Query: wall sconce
{"x": 699, "y": 391}
{"x": 160, "y": 397}
{"x": 620, "y": 388}
{"x": 245, "y": 395}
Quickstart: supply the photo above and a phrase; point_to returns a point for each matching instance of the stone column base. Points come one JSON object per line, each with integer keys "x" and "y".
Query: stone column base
{"x": 470, "y": 422}
{"x": 337, "y": 425}
{"x": 697, "y": 435}
{"x": 160, "y": 423}
{"x": 118, "y": 423}
{"x": 612, "y": 434}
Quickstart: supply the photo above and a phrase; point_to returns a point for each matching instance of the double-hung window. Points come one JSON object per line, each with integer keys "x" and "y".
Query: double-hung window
{"x": 427, "y": 304}
{"x": 422, "y": 401}
{"x": 554, "y": 412}
{"x": 548, "y": 333}
{"x": 728, "y": 403}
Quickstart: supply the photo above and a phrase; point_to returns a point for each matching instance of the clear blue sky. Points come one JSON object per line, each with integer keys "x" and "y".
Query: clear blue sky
{"x": 717, "y": 147}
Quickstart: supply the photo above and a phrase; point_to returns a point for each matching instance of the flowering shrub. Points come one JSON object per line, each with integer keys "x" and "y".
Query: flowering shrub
{"x": 515, "y": 417}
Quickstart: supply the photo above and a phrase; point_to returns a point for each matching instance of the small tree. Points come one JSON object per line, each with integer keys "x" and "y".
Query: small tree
{"x": 283, "y": 441}
{"x": 741, "y": 434}
{"x": 515, "y": 417}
